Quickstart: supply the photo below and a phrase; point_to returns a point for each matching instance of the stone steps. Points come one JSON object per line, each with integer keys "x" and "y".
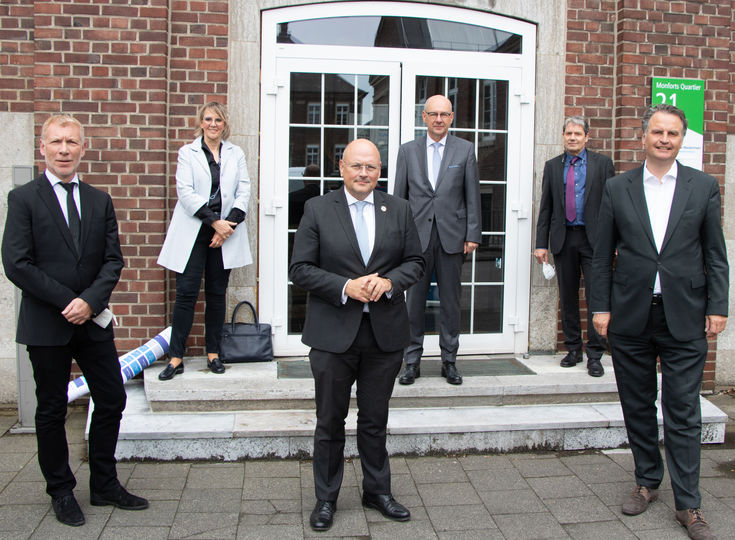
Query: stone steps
{"x": 264, "y": 416}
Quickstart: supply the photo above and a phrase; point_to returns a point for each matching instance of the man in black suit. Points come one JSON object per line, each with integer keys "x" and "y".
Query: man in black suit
{"x": 665, "y": 294}
{"x": 61, "y": 249}
{"x": 571, "y": 191}
{"x": 356, "y": 251}
{"x": 437, "y": 174}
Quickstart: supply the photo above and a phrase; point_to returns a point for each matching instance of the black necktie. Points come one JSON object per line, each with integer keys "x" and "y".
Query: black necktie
{"x": 75, "y": 225}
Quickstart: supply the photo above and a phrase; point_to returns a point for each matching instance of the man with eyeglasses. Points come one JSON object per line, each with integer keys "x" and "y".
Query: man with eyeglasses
{"x": 437, "y": 174}
{"x": 356, "y": 251}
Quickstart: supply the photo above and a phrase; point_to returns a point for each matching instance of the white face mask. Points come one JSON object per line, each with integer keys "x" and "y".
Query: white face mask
{"x": 548, "y": 270}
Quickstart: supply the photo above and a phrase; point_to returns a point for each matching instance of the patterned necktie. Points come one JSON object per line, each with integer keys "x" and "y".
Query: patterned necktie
{"x": 570, "y": 195}
{"x": 436, "y": 163}
{"x": 363, "y": 239}
{"x": 75, "y": 225}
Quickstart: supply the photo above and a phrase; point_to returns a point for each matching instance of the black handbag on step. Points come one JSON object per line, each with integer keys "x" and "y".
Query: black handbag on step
{"x": 246, "y": 342}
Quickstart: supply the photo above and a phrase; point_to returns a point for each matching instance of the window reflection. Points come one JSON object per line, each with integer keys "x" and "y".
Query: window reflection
{"x": 399, "y": 32}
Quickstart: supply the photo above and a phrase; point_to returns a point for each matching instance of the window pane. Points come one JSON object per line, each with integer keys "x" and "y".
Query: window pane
{"x": 461, "y": 92}
{"x": 335, "y": 141}
{"x": 373, "y": 93}
{"x": 488, "y": 309}
{"x": 305, "y": 98}
{"x": 425, "y": 88}
{"x": 296, "y": 309}
{"x": 379, "y": 138}
{"x": 493, "y": 104}
{"x": 339, "y": 99}
{"x": 303, "y": 149}
{"x": 491, "y": 152}
{"x": 492, "y": 204}
{"x": 300, "y": 191}
{"x": 399, "y": 32}
{"x": 490, "y": 259}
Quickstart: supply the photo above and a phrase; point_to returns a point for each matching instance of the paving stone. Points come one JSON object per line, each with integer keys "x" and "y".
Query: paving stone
{"x": 460, "y": 518}
{"x": 18, "y": 444}
{"x": 6, "y": 478}
{"x": 612, "y": 493}
{"x": 657, "y": 516}
{"x": 270, "y": 532}
{"x": 215, "y": 476}
{"x": 579, "y": 510}
{"x": 159, "y": 513}
{"x": 31, "y": 472}
{"x": 14, "y": 462}
{"x": 497, "y": 479}
{"x": 21, "y": 517}
{"x": 450, "y": 494}
{"x": 597, "y": 473}
{"x": 529, "y": 526}
{"x": 559, "y": 486}
{"x": 475, "y": 463}
{"x": 538, "y": 467}
{"x": 160, "y": 494}
{"x": 476, "y": 534}
{"x": 408, "y": 530}
{"x": 173, "y": 483}
{"x": 402, "y": 484}
{"x": 271, "y": 488}
{"x": 519, "y": 501}
{"x": 205, "y": 525}
{"x": 25, "y": 493}
{"x": 270, "y": 469}
{"x": 51, "y": 528}
{"x": 210, "y": 500}
{"x": 433, "y": 469}
{"x": 663, "y": 534}
{"x": 139, "y": 533}
{"x": 160, "y": 470}
{"x": 719, "y": 487}
{"x": 600, "y": 530}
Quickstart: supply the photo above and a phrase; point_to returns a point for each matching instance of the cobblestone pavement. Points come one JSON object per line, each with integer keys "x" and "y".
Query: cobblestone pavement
{"x": 508, "y": 496}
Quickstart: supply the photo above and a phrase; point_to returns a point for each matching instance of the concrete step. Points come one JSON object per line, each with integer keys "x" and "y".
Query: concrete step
{"x": 264, "y": 386}
{"x": 415, "y": 428}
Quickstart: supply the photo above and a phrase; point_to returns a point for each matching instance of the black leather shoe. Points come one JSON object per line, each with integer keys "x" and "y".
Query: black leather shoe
{"x": 322, "y": 516}
{"x": 122, "y": 499}
{"x": 412, "y": 372}
{"x": 67, "y": 510}
{"x": 571, "y": 359}
{"x": 451, "y": 373}
{"x": 169, "y": 371}
{"x": 594, "y": 367}
{"x": 215, "y": 365}
{"x": 386, "y": 505}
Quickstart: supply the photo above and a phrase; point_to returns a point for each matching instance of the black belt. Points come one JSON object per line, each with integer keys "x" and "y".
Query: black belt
{"x": 657, "y": 300}
{"x": 575, "y": 227}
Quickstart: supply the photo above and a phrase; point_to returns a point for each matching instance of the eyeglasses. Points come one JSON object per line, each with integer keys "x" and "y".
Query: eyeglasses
{"x": 209, "y": 120}
{"x": 358, "y": 167}
{"x": 433, "y": 115}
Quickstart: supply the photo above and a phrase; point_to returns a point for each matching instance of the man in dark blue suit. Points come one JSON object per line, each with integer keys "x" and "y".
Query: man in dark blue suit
{"x": 61, "y": 249}
{"x": 663, "y": 294}
{"x": 356, "y": 251}
{"x": 571, "y": 192}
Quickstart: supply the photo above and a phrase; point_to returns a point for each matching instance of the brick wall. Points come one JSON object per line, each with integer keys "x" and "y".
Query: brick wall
{"x": 615, "y": 47}
{"x": 134, "y": 74}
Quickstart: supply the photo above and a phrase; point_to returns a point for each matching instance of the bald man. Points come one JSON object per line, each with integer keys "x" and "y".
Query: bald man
{"x": 356, "y": 251}
{"x": 437, "y": 174}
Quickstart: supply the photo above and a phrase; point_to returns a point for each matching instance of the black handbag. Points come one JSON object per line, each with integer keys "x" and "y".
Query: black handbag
{"x": 246, "y": 342}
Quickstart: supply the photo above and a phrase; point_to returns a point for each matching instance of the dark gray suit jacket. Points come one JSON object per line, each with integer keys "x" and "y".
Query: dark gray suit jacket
{"x": 551, "y": 227}
{"x": 692, "y": 265}
{"x": 39, "y": 257}
{"x": 454, "y": 205}
{"x": 326, "y": 254}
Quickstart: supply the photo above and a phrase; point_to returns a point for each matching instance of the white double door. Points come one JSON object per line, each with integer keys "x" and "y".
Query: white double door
{"x": 312, "y": 107}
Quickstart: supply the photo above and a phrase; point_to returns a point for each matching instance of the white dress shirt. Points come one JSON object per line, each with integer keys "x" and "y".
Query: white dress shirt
{"x": 659, "y": 196}
{"x": 430, "y": 156}
{"x": 369, "y": 214}
{"x": 61, "y": 193}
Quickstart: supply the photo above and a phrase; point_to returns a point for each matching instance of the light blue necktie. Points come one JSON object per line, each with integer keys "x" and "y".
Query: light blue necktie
{"x": 436, "y": 162}
{"x": 363, "y": 238}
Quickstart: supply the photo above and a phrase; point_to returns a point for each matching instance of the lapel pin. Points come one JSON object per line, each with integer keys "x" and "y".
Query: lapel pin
{"x": 383, "y": 209}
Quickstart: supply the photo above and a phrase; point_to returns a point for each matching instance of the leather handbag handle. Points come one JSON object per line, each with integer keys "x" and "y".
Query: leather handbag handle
{"x": 234, "y": 314}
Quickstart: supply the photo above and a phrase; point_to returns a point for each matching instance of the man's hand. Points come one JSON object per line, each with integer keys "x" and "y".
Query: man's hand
{"x": 368, "y": 288}
{"x": 77, "y": 312}
{"x": 601, "y": 321}
{"x": 469, "y": 247}
{"x": 714, "y": 324}
{"x": 542, "y": 255}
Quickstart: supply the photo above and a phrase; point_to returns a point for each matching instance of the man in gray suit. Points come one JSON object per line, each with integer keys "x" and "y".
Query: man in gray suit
{"x": 666, "y": 292}
{"x": 438, "y": 175}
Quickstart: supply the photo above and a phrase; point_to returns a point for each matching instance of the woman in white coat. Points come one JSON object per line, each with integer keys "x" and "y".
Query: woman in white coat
{"x": 211, "y": 181}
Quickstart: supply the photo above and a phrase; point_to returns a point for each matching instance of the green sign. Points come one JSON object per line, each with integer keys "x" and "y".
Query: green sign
{"x": 687, "y": 95}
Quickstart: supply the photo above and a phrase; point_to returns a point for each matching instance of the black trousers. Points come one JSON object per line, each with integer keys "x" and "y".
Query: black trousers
{"x": 51, "y": 369}
{"x": 448, "y": 269}
{"x": 682, "y": 364}
{"x": 207, "y": 262}
{"x": 573, "y": 261}
{"x": 375, "y": 372}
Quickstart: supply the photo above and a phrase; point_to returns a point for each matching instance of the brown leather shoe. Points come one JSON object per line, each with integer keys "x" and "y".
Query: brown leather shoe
{"x": 639, "y": 500}
{"x": 693, "y": 520}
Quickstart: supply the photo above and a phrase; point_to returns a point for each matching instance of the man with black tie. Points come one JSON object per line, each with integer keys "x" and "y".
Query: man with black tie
{"x": 438, "y": 175}
{"x": 61, "y": 249}
{"x": 665, "y": 294}
{"x": 356, "y": 251}
{"x": 571, "y": 191}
